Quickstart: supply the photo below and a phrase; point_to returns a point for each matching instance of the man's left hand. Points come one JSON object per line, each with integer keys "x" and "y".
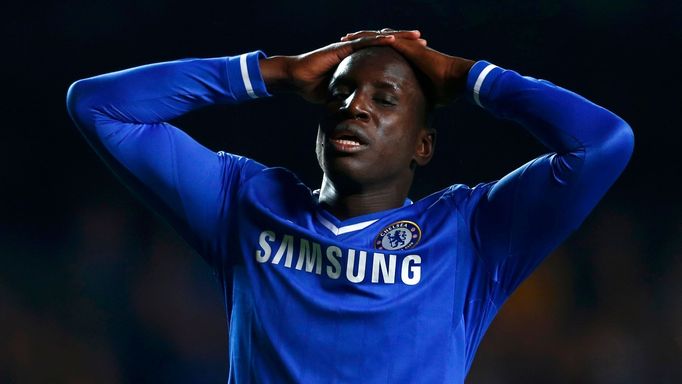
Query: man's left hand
{"x": 447, "y": 73}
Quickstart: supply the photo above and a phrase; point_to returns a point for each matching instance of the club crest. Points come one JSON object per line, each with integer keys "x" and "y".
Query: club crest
{"x": 399, "y": 235}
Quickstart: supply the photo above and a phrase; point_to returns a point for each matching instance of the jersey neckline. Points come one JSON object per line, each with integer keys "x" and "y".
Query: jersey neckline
{"x": 353, "y": 224}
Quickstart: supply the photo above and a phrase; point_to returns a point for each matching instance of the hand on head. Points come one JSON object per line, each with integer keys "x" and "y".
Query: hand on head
{"x": 307, "y": 74}
{"x": 447, "y": 73}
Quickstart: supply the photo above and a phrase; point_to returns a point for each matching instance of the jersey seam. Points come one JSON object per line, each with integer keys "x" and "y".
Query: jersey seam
{"x": 174, "y": 167}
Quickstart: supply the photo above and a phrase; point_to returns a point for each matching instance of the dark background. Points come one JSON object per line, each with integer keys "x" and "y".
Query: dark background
{"x": 95, "y": 288}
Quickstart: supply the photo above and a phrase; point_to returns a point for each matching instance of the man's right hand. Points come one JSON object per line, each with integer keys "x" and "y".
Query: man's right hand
{"x": 306, "y": 74}
{"x": 448, "y": 74}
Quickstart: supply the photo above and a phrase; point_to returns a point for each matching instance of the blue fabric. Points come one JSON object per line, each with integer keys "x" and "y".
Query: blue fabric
{"x": 235, "y": 76}
{"x": 308, "y": 306}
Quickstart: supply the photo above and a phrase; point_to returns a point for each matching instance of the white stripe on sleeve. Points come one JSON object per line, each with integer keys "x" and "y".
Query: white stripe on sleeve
{"x": 479, "y": 82}
{"x": 245, "y": 76}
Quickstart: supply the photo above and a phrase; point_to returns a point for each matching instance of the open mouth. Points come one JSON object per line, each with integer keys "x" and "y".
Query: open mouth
{"x": 345, "y": 141}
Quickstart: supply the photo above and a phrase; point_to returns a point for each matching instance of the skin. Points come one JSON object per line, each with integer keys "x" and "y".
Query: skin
{"x": 375, "y": 98}
{"x": 374, "y": 133}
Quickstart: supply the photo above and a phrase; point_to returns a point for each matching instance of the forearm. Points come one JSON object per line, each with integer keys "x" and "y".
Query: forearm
{"x": 562, "y": 120}
{"x": 160, "y": 92}
{"x": 275, "y": 73}
{"x": 530, "y": 211}
{"x": 124, "y": 115}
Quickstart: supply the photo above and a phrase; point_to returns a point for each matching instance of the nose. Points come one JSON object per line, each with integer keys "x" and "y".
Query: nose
{"x": 355, "y": 106}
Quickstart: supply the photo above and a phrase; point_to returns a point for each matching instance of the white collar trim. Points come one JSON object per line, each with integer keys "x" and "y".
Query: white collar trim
{"x": 345, "y": 229}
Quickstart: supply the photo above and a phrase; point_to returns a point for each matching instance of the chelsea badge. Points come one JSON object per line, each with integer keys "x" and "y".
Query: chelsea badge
{"x": 399, "y": 235}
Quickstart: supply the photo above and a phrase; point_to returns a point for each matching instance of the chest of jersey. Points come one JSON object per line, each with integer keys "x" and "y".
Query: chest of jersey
{"x": 387, "y": 286}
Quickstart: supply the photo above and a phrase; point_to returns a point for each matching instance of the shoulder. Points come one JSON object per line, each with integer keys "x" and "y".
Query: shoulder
{"x": 241, "y": 166}
{"x": 276, "y": 179}
{"x": 278, "y": 189}
{"x": 458, "y": 196}
{"x": 251, "y": 179}
{"x": 455, "y": 203}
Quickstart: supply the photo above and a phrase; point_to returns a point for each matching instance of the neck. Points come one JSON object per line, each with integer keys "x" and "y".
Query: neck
{"x": 348, "y": 202}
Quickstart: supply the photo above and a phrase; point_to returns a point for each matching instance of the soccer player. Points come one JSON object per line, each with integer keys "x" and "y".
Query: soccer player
{"x": 355, "y": 282}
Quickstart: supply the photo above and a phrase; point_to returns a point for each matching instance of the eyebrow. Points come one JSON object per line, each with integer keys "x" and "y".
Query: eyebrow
{"x": 380, "y": 84}
{"x": 387, "y": 85}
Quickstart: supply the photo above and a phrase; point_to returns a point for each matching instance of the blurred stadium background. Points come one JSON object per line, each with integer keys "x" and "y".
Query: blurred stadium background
{"x": 95, "y": 288}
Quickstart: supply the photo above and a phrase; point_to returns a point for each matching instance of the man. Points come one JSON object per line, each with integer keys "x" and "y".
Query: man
{"x": 355, "y": 283}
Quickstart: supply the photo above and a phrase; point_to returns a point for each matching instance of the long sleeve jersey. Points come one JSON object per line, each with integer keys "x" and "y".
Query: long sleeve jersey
{"x": 398, "y": 296}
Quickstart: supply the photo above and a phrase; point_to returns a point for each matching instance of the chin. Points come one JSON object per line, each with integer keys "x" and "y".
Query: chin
{"x": 346, "y": 172}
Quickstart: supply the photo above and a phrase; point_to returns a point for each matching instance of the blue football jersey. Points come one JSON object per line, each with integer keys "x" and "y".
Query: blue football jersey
{"x": 398, "y": 296}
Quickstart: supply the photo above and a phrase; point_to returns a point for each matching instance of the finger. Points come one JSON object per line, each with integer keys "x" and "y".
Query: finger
{"x": 343, "y": 49}
{"x": 370, "y": 40}
{"x": 413, "y": 50}
{"x": 402, "y": 34}
{"x": 386, "y": 31}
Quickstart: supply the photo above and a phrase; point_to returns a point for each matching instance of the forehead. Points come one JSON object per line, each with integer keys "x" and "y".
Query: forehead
{"x": 383, "y": 67}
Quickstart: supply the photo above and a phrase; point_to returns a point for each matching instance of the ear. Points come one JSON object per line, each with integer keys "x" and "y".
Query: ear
{"x": 426, "y": 144}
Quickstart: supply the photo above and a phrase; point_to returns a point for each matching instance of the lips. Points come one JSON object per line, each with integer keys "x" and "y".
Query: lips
{"x": 348, "y": 138}
{"x": 347, "y": 146}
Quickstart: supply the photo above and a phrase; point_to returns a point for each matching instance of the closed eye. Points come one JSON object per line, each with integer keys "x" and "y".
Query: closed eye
{"x": 384, "y": 101}
{"x": 340, "y": 95}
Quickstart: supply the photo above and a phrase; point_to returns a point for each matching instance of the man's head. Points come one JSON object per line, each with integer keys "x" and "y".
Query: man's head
{"x": 376, "y": 128}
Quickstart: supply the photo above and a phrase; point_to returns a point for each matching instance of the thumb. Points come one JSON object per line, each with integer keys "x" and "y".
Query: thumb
{"x": 348, "y": 47}
{"x": 413, "y": 50}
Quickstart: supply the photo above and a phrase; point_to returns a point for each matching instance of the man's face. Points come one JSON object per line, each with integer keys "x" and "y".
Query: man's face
{"x": 374, "y": 128}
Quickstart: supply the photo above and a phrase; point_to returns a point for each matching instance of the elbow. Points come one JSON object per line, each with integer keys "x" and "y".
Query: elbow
{"x": 623, "y": 140}
{"x": 80, "y": 102}
{"x": 74, "y": 99}
{"x": 619, "y": 145}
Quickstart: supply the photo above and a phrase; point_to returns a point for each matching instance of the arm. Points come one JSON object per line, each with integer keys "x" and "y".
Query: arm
{"x": 525, "y": 215}
{"x": 124, "y": 116}
{"x": 529, "y": 212}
